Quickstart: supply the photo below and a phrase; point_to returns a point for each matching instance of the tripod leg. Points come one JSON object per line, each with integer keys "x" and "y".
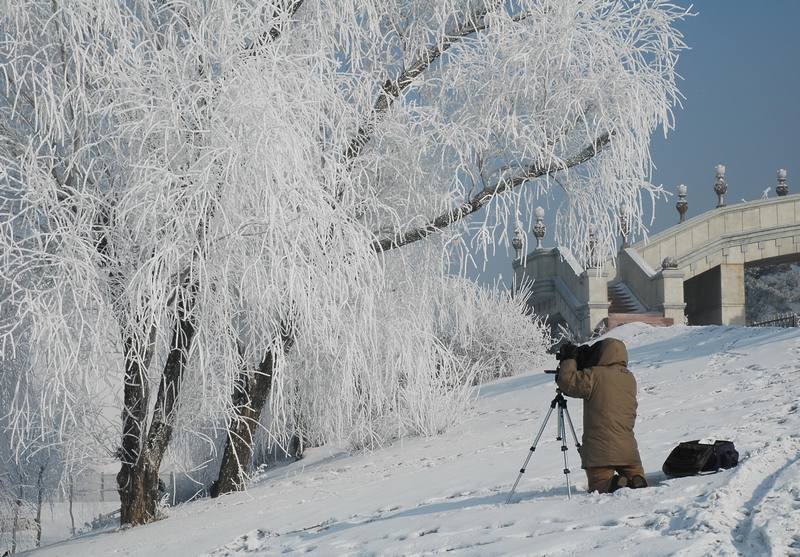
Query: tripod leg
{"x": 572, "y": 429}
{"x": 563, "y": 434}
{"x": 530, "y": 454}
{"x": 560, "y": 425}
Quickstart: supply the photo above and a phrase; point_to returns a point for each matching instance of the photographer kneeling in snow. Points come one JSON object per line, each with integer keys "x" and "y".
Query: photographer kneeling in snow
{"x": 599, "y": 375}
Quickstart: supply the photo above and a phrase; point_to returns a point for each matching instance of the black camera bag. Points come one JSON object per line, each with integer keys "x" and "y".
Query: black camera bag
{"x": 692, "y": 457}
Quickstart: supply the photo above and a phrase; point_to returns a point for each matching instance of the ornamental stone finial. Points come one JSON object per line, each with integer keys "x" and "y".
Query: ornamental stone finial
{"x": 682, "y": 205}
{"x": 519, "y": 241}
{"x": 539, "y": 229}
{"x": 624, "y": 225}
{"x": 782, "y": 188}
{"x": 592, "y": 262}
{"x": 720, "y": 185}
{"x": 669, "y": 262}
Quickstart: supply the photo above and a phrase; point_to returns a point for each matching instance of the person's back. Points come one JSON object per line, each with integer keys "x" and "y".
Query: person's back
{"x": 609, "y": 414}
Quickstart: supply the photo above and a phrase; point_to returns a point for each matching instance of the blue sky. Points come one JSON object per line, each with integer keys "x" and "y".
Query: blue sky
{"x": 741, "y": 83}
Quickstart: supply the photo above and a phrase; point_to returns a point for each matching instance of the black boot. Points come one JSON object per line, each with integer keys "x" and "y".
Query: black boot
{"x": 617, "y": 482}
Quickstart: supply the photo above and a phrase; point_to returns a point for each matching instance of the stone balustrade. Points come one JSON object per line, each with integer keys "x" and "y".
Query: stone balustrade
{"x": 735, "y": 234}
{"x": 693, "y": 270}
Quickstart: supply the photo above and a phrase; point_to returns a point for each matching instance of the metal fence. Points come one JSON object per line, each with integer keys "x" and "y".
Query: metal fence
{"x": 780, "y": 320}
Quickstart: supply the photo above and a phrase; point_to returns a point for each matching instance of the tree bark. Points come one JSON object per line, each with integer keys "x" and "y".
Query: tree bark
{"x": 39, "y": 501}
{"x": 71, "y": 497}
{"x": 139, "y": 499}
{"x": 138, "y": 477}
{"x": 136, "y": 395}
{"x": 249, "y": 399}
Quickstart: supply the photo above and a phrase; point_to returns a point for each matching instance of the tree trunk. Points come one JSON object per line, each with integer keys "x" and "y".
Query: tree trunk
{"x": 138, "y": 501}
{"x": 71, "y": 497}
{"x": 130, "y": 479}
{"x": 138, "y": 477}
{"x": 15, "y": 525}
{"x": 39, "y": 500}
{"x": 249, "y": 399}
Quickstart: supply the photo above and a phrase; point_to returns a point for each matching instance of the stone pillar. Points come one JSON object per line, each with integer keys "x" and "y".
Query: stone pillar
{"x": 669, "y": 291}
{"x": 595, "y": 292}
{"x": 731, "y": 285}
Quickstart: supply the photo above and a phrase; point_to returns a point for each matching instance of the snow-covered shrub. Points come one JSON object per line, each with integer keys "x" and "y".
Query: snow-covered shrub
{"x": 491, "y": 328}
{"x": 405, "y": 362}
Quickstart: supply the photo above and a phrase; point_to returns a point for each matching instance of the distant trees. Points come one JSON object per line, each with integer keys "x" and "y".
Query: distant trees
{"x": 201, "y": 202}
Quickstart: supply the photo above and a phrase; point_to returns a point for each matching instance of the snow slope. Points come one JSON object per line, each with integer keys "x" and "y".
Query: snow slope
{"x": 447, "y": 494}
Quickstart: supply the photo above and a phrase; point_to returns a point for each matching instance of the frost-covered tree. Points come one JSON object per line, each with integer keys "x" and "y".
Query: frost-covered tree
{"x": 189, "y": 189}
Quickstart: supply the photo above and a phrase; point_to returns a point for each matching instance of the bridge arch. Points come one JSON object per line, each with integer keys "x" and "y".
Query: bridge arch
{"x": 692, "y": 272}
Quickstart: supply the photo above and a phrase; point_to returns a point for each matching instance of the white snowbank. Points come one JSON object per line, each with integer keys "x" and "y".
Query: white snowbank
{"x": 433, "y": 495}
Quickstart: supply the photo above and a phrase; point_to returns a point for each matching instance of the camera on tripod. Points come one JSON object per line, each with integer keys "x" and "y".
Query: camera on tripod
{"x": 583, "y": 355}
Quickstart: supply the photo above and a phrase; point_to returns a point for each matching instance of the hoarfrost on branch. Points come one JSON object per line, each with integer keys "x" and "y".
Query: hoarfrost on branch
{"x": 202, "y": 179}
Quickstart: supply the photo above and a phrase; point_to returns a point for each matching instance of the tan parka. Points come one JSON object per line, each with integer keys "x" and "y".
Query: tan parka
{"x": 608, "y": 389}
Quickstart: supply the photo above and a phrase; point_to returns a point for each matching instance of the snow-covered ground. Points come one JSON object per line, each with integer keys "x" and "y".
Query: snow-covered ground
{"x": 447, "y": 494}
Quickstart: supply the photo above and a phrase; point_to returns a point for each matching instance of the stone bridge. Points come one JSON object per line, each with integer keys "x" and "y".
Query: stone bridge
{"x": 690, "y": 273}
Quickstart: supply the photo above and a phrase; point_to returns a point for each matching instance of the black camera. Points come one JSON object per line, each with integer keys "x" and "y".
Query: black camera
{"x": 567, "y": 351}
{"x": 584, "y": 355}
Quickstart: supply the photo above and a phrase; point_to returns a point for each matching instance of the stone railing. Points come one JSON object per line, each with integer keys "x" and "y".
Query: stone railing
{"x": 659, "y": 291}
{"x": 734, "y": 234}
{"x": 563, "y": 287}
{"x": 695, "y": 268}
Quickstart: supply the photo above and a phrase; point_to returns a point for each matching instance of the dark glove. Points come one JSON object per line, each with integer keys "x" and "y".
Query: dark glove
{"x": 568, "y": 352}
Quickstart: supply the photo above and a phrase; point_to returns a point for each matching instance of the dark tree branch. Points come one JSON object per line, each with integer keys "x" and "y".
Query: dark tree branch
{"x": 393, "y": 88}
{"x": 483, "y": 197}
{"x": 274, "y": 32}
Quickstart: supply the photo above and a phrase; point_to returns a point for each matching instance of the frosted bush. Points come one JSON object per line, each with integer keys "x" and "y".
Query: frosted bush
{"x": 414, "y": 373}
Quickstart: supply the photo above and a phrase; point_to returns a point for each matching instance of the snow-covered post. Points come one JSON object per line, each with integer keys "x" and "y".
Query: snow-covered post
{"x": 539, "y": 229}
{"x": 720, "y": 186}
{"x": 682, "y": 205}
{"x": 782, "y": 188}
{"x": 624, "y": 224}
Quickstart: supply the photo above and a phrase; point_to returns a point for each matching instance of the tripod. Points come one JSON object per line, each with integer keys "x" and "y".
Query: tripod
{"x": 563, "y": 413}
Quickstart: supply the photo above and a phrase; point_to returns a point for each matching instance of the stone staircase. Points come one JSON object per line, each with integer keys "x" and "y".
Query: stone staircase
{"x": 622, "y": 300}
{"x": 624, "y": 307}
